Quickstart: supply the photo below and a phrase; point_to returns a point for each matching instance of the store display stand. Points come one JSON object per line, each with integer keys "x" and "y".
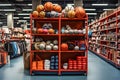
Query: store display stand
{"x": 64, "y": 56}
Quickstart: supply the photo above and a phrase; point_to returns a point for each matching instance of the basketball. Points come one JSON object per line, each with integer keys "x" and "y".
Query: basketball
{"x": 71, "y": 14}
{"x": 80, "y": 12}
{"x": 39, "y": 30}
{"x": 64, "y": 47}
{"x": 42, "y": 14}
{"x": 51, "y": 31}
{"x": 40, "y": 8}
{"x": 48, "y": 6}
{"x": 57, "y": 8}
{"x": 35, "y": 14}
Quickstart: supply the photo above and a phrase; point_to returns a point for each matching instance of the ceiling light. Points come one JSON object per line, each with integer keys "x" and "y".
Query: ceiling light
{"x": 92, "y": 13}
{"x": 107, "y": 9}
{"x": 15, "y": 17}
{"x": 99, "y": 4}
{"x": 5, "y": 4}
{"x": 23, "y": 14}
{"x": 27, "y": 10}
{"x": 29, "y": 4}
{"x": 26, "y": 17}
{"x": 90, "y": 9}
{"x": 9, "y": 10}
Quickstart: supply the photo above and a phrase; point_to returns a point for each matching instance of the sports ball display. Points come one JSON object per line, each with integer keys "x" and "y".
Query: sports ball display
{"x": 42, "y": 14}
{"x": 64, "y": 46}
{"x": 80, "y": 12}
{"x": 40, "y": 8}
{"x": 35, "y": 14}
{"x": 51, "y": 31}
{"x": 68, "y": 8}
{"x": 48, "y": 6}
{"x": 71, "y": 14}
{"x": 54, "y": 14}
{"x": 39, "y": 30}
{"x": 57, "y": 8}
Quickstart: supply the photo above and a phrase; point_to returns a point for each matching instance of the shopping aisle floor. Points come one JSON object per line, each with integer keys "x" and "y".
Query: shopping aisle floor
{"x": 98, "y": 70}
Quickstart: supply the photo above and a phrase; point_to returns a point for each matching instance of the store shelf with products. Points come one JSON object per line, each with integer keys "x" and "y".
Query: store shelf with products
{"x": 3, "y": 53}
{"x": 62, "y": 49}
{"x": 105, "y": 42}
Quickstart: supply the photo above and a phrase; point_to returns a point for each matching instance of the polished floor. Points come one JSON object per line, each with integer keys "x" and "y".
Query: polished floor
{"x": 98, "y": 70}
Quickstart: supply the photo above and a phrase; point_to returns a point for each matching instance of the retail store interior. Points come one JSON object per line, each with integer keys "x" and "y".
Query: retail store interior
{"x": 59, "y": 39}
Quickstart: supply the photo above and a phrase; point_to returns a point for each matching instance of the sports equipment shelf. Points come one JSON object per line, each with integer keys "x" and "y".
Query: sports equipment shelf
{"x": 76, "y": 60}
{"x": 105, "y": 38}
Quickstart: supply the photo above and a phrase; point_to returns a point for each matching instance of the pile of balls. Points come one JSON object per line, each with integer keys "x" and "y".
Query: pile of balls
{"x": 46, "y": 45}
{"x": 47, "y": 29}
{"x": 68, "y": 30}
{"x": 73, "y": 46}
{"x": 47, "y": 10}
{"x": 54, "y": 10}
{"x": 80, "y": 63}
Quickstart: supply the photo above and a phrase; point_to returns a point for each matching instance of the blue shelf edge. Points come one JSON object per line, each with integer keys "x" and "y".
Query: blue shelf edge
{"x": 108, "y": 61}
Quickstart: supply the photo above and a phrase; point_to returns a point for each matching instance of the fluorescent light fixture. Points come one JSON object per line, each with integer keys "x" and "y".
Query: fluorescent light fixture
{"x": 5, "y": 4}
{"x": 92, "y": 13}
{"x": 9, "y": 10}
{"x": 23, "y": 14}
{"x": 70, "y": 4}
{"x": 27, "y": 10}
{"x": 99, "y": 4}
{"x": 90, "y": 9}
{"x": 29, "y": 4}
{"x": 26, "y": 17}
{"x": 15, "y": 17}
{"x": 107, "y": 9}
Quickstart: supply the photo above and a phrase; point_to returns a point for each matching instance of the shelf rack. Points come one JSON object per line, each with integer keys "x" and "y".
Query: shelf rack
{"x": 63, "y": 56}
{"x": 105, "y": 38}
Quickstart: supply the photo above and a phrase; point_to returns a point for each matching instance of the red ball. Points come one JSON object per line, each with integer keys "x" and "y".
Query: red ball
{"x": 64, "y": 47}
{"x": 40, "y": 30}
{"x": 45, "y": 31}
{"x": 80, "y": 12}
{"x": 57, "y": 8}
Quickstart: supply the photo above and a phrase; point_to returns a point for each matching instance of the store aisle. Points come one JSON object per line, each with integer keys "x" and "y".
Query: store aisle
{"x": 98, "y": 70}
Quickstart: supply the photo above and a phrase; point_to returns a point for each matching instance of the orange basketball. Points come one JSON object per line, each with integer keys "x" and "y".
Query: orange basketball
{"x": 40, "y": 30}
{"x": 48, "y": 6}
{"x": 40, "y": 8}
{"x": 51, "y": 31}
{"x": 71, "y": 14}
{"x": 57, "y": 8}
{"x": 64, "y": 47}
{"x": 80, "y": 12}
{"x": 42, "y": 14}
{"x": 35, "y": 14}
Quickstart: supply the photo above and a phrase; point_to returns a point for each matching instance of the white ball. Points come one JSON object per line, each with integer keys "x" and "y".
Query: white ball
{"x": 84, "y": 31}
{"x": 76, "y": 48}
{"x": 71, "y": 31}
{"x": 68, "y": 8}
{"x": 66, "y": 31}
{"x": 51, "y": 44}
{"x": 55, "y": 42}
{"x": 48, "y": 42}
{"x": 48, "y": 47}
{"x": 55, "y": 47}
{"x": 42, "y": 46}
{"x": 80, "y": 31}
{"x": 76, "y": 31}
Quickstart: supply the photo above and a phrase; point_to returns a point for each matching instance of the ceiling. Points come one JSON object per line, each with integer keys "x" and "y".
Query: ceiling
{"x": 25, "y": 7}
